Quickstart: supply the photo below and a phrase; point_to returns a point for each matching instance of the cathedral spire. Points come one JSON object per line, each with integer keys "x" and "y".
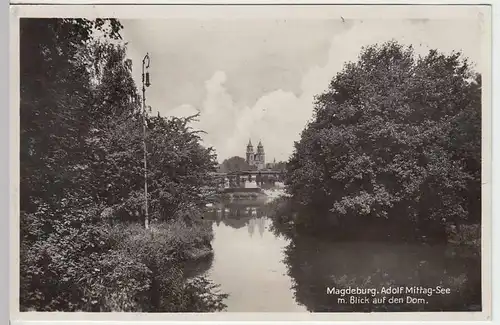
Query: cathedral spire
{"x": 249, "y": 143}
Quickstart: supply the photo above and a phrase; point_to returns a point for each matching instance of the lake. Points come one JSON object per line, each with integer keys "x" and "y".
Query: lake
{"x": 265, "y": 272}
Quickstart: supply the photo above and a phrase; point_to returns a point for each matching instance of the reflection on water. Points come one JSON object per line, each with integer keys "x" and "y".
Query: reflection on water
{"x": 264, "y": 272}
{"x": 248, "y": 259}
{"x": 315, "y": 265}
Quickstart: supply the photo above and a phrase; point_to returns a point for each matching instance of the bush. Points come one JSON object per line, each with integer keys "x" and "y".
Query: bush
{"x": 120, "y": 283}
{"x": 54, "y": 267}
{"x": 169, "y": 240}
{"x": 163, "y": 249}
{"x": 465, "y": 235}
{"x": 86, "y": 265}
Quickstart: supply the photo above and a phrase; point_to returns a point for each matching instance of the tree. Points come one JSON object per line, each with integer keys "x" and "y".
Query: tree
{"x": 396, "y": 137}
{"x": 280, "y": 166}
{"x": 55, "y": 96}
{"x": 179, "y": 166}
{"x": 235, "y": 164}
{"x": 60, "y": 239}
{"x": 81, "y": 160}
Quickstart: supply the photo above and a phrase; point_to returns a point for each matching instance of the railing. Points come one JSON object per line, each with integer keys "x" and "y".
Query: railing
{"x": 242, "y": 190}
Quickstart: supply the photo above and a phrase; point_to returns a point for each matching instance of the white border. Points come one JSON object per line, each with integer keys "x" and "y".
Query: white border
{"x": 245, "y": 12}
{"x": 251, "y": 2}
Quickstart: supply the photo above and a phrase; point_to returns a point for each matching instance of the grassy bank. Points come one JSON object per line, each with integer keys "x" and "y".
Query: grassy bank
{"x": 93, "y": 266}
{"x": 182, "y": 242}
{"x": 156, "y": 282}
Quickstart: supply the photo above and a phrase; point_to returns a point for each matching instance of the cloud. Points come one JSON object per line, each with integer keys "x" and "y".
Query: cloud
{"x": 257, "y": 55}
{"x": 278, "y": 117}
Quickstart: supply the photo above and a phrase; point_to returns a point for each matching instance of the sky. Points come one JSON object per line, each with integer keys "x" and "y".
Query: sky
{"x": 256, "y": 79}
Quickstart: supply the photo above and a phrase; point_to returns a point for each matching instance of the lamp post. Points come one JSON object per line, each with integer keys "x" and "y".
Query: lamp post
{"x": 145, "y": 83}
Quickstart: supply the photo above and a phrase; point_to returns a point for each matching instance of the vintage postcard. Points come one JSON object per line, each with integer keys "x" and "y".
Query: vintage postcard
{"x": 251, "y": 162}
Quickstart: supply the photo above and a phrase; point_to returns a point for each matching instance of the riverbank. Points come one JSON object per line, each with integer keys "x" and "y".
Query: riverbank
{"x": 292, "y": 219}
{"x": 183, "y": 242}
{"x": 160, "y": 261}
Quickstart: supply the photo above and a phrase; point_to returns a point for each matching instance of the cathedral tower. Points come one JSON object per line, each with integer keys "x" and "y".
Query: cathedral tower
{"x": 257, "y": 159}
{"x": 260, "y": 157}
{"x": 250, "y": 153}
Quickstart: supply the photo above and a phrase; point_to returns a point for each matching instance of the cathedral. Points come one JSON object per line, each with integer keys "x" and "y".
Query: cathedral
{"x": 256, "y": 159}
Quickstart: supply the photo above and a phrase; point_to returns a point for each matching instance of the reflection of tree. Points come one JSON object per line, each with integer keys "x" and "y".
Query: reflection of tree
{"x": 236, "y": 218}
{"x": 240, "y": 214}
{"x": 235, "y": 223}
{"x": 251, "y": 226}
{"x": 218, "y": 214}
{"x": 261, "y": 225}
{"x": 315, "y": 265}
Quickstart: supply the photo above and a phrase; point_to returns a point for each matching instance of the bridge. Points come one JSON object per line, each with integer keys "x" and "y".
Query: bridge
{"x": 245, "y": 179}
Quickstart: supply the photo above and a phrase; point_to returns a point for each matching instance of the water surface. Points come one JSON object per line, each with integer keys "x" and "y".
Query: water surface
{"x": 248, "y": 262}
{"x": 264, "y": 272}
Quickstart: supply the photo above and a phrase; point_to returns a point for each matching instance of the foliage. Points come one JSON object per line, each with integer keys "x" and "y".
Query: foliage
{"x": 82, "y": 172}
{"x": 235, "y": 164}
{"x": 201, "y": 296}
{"x": 466, "y": 235}
{"x": 119, "y": 283}
{"x": 55, "y": 93}
{"x": 60, "y": 239}
{"x": 66, "y": 250}
{"x": 162, "y": 250}
{"x": 175, "y": 237}
{"x": 395, "y": 137}
{"x": 179, "y": 167}
{"x": 279, "y": 166}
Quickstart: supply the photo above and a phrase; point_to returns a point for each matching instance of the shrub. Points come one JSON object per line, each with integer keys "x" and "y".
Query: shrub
{"x": 163, "y": 249}
{"x": 53, "y": 268}
{"x": 87, "y": 265}
{"x": 120, "y": 283}
{"x": 465, "y": 235}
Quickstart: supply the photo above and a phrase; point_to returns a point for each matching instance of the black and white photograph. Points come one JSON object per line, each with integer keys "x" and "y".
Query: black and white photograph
{"x": 328, "y": 162}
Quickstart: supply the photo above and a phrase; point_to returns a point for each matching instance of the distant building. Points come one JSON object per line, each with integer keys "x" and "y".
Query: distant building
{"x": 271, "y": 165}
{"x": 257, "y": 159}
